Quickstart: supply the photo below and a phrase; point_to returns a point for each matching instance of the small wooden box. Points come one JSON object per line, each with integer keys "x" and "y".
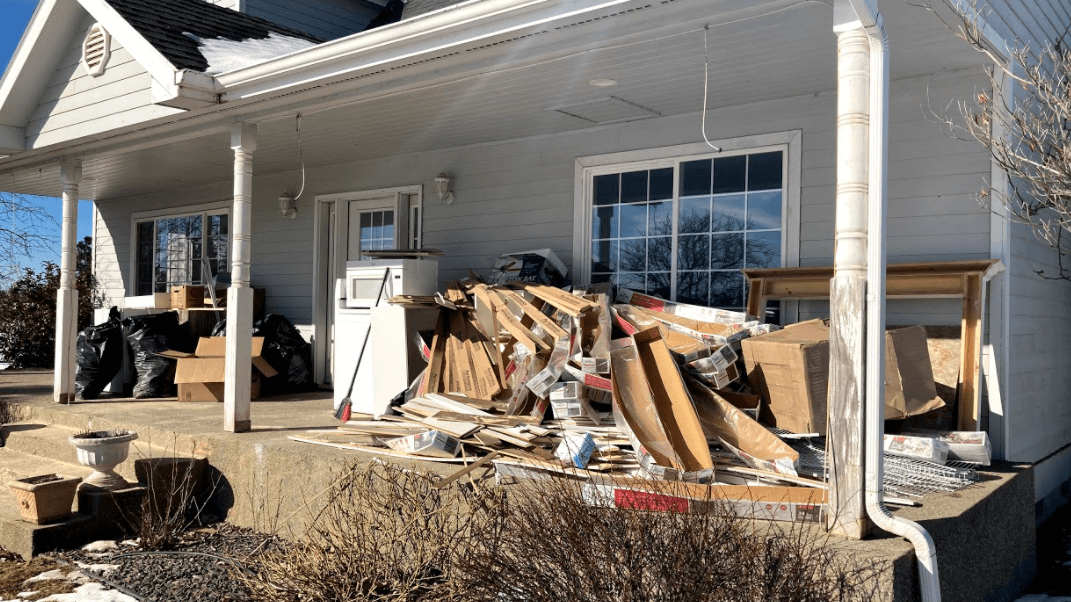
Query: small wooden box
{"x": 187, "y": 296}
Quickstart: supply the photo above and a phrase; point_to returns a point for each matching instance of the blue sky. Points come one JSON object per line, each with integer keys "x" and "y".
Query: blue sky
{"x": 14, "y": 16}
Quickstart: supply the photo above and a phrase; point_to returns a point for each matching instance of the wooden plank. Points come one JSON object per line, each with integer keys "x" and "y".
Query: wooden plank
{"x": 433, "y": 377}
{"x": 521, "y": 333}
{"x": 968, "y": 398}
{"x": 443, "y": 482}
{"x": 756, "y": 299}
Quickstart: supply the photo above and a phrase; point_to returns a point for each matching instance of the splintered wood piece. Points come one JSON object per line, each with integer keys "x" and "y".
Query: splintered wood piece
{"x": 443, "y": 482}
{"x": 522, "y": 334}
{"x": 433, "y": 376}
{"x": 566, "y": 302}
{"x": 549, "y": 326}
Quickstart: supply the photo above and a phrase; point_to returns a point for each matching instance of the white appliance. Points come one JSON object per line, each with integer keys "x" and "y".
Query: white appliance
{"x": 376, "y": 380}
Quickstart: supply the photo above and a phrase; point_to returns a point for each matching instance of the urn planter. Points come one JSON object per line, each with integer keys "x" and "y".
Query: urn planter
{"x": 103, "y": 451}
{"x": 45, "y": 498}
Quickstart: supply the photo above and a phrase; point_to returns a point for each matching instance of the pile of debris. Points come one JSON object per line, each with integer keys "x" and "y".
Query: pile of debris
{"x": 527, "y": 379}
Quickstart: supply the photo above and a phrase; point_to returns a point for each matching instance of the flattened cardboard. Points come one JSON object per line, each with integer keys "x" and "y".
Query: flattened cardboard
{"x": 634, "y": 403}
{"x": 673, "y": 404}
{"x": 910, "y": 389}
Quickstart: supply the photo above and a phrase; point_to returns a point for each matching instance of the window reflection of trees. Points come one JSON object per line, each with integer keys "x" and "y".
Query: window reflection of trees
{"x": 176, "y": 252}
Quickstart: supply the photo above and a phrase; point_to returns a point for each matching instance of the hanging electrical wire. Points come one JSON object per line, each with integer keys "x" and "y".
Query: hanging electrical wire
{"x": 301, "y": 154}
{"x": 706, "y": 86}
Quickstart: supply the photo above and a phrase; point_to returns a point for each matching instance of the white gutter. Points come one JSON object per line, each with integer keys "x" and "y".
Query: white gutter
{"x": 925, "y": 551}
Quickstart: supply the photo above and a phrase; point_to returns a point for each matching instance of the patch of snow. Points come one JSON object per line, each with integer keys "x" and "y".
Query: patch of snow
{"x": 54, "y": 574}
{"x": 103, "y": 569}
{"x": 225, "y": 55}
{"x": 103, "y": 545}
{"x": 90, "y": 592}
{"x": 1043, "y": 598}
{"x": 26, "y": 594}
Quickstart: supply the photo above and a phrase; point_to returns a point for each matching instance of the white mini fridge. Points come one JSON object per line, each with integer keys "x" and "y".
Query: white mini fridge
{"x": 390, "y": 360}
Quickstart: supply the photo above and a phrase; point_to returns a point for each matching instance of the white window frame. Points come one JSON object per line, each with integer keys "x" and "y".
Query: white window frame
{"x": 587, "y": 168}
{"x": 214, "y": 208}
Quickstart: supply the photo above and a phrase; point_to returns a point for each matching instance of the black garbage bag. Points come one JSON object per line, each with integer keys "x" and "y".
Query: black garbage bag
{"x": 284, "y": 349}
{"x": 98, "y": 357}
{"x": 149, "y": 335}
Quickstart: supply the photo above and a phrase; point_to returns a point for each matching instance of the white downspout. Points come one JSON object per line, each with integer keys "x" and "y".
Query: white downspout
{"x": 925, "y": 550}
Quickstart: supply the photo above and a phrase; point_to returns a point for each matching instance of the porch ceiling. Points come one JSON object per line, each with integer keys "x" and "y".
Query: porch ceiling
{"x": 511, "y": 90}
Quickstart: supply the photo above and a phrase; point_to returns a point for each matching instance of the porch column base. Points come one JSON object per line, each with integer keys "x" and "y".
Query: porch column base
{"x": 66, "y": 340}
{"x": 239, "y": 369}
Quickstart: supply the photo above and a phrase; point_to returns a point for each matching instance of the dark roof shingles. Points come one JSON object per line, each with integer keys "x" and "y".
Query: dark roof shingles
{"x": 165, "y": 23}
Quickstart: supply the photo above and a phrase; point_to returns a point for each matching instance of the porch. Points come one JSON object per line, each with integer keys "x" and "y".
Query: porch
{"x": 984, "y": 534}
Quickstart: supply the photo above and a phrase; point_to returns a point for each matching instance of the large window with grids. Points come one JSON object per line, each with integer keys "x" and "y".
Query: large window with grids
{"x": 682, "y": 228}
{"x": 188, "y": 248}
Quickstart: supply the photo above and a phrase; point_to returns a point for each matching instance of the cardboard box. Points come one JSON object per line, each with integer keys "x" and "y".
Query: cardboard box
{"x": 200, "y": 376}
{"x": 541, "y": 266}
{"x": 187, "y": 296}
{"x": 790, "y": 369}
{"x": 435, "y": 444}
{"x": 928, "y": 449}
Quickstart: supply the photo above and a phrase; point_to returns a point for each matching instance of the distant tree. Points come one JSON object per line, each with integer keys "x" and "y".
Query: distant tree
{"x": 28, "y": 310}
{"x": 21, "y": 225}
{"x": 1024, "y": 120}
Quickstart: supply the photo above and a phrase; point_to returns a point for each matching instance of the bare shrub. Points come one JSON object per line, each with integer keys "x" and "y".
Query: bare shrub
{"x": 555, "y": 546}
{"x": 175, "y": 498}
{"x": 391, "y": 534}
{"x": 385, "y": 534}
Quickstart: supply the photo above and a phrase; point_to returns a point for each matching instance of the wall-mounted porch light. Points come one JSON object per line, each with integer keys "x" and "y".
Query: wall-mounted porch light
{"x": 442, "y": 186}
{"x": 288, "y": 205}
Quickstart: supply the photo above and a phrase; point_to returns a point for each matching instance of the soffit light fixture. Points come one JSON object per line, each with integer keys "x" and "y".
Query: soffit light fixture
{"x": 602, "y": 82}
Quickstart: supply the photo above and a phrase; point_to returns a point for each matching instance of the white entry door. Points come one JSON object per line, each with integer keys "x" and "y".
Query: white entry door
{"x": 350, "y": 226}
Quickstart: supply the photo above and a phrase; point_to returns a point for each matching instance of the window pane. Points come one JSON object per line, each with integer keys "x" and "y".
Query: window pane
{"x": 633, "y": 220}
{"x": 727, "y": 251}
{"x": 726, "y": 289}
{"x": 694, "y": 215}
{"x": 658, "y": 284}
{"x": 661, "y": 184}
{"x": 659, "y": 252}
{"x": 604, "y": 256}
{"x": 599, "y": 278}
{"x": 634, "y": 187}
{"x": 388, "y": 229}
{"x": 692, "y": 287}
{"x": 695, "y": 178}
{"x": 634, "y": 255}
{"x": 764, "y": 210}
{"x": 764, "y": 171}
{"x": 764, "y": 249}
{"x": 693, "y": 252}
{"x": 660, "y": 219}
{"x": 366, "y": 227}
{"x": 729, "y": 174}
{"x": 145, "y": 270}
{"x": 604, "y": 222}
{"x": 728, "y": 213}
{"x": 606, "y": 189}
{"x": 631, "y": 281}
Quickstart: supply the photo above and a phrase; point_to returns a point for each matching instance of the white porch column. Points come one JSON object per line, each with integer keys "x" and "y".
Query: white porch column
{"x": 67, "y": 296}
{"x": 847, "y": 377}
{"x": 240, "y": 295}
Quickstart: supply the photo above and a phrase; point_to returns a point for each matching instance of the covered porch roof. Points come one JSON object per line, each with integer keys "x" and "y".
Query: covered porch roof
{"x": 485, "y": 71}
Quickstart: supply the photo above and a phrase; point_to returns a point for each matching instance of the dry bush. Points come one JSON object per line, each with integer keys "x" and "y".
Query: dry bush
{"x": 557, "y": 547}
{"x": 389, "y": 534}
{"x": 385, "y": 534}
{"x": 175, "y": 499}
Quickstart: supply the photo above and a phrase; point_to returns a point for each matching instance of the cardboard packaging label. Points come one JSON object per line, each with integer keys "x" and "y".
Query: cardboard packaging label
{"x": 432, "y": 443}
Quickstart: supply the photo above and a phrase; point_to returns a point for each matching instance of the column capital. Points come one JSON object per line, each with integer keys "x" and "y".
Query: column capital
{"x": 244, "y": 136}
{"x": 71, "y": 171}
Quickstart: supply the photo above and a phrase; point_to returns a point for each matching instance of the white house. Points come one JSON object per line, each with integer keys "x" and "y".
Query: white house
{"x": 576, "y": 125}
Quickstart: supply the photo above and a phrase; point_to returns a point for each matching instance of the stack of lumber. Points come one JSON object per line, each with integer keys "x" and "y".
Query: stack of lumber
{"x": 532, "y": 376}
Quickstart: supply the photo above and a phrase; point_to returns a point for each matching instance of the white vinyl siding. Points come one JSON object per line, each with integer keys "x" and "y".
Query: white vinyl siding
{"x": 518, "y": 195}
{"x": 75, "y": 104}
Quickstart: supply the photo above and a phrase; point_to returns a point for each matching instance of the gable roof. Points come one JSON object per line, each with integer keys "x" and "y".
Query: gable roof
{"x": 168, "y": 25}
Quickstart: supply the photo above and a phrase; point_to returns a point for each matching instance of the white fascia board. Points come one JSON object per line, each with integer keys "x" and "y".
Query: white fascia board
{"x": 35, "y": 59}
{"x": 165, "y": 77}
{"x": 12, "y": 140}
{"x": 460, "y": 24}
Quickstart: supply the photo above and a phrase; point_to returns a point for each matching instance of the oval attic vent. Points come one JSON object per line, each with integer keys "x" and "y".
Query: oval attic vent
{"x": 96, "y": 50}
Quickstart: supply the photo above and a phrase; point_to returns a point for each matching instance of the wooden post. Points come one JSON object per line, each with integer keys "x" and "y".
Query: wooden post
{"x": 240, "y": 296}
{"x": 67, "y": 295}
{"x": 847, "y": 340}
{"x": 969, "y": 394}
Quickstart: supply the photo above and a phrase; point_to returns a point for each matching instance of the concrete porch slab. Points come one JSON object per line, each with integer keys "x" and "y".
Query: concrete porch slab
{"x": 984, "y": 534}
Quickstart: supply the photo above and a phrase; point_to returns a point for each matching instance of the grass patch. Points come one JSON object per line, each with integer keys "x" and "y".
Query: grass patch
{"x": 14, "y": 572}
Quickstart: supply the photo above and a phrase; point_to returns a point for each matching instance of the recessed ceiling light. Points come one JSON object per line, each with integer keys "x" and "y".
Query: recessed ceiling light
{"x": 603, "y": 82}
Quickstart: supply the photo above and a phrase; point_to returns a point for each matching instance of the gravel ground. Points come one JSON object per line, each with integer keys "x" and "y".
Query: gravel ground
{"x": 200, "y": 568}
